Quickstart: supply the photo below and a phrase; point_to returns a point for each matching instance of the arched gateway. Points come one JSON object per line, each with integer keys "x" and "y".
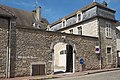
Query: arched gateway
{"x": 63, "y": 56}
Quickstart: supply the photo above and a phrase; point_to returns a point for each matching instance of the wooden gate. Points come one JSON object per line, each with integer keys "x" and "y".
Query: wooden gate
{"x": 38, "y": 69}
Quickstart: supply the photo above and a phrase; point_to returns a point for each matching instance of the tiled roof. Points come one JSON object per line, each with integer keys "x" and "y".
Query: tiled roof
{"x": 82, "y": 10}
{"x": 23, "y": 18}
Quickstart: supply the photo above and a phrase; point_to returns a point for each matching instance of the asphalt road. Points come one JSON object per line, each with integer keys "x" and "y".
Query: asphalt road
{"x": 111, "y": 75}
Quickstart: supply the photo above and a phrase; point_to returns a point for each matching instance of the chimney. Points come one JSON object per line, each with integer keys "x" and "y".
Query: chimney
{"x": 104, "y": 3}
{"x": 37, "y": 13}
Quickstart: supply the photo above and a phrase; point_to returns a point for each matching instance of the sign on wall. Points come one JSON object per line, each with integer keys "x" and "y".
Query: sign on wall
{"x": 97, "y": 49}
{"x": 81, "y": 61}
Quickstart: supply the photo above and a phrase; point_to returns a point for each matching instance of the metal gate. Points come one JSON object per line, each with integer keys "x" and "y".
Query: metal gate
{"x": 38, "y": 69}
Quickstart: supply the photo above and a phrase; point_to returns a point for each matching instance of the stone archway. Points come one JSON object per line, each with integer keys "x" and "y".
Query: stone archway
{"x": 60, "y": 60}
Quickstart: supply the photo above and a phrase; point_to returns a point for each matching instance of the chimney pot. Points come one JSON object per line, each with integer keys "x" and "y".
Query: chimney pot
{"x": 104, "y": 3}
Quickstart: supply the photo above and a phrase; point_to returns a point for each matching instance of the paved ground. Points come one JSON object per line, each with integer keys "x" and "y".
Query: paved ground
{"x": 111, "y": 75}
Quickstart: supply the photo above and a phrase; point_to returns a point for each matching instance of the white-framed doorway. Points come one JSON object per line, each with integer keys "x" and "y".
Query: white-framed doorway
{"x": 61, "y": 61}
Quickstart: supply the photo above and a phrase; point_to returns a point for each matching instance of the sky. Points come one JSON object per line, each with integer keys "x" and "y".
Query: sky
{"x": 52, "y": 10}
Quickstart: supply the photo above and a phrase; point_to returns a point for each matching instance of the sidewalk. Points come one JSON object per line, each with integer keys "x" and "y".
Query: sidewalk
{"x": 84, "y": 73}
{"x": 62, "y": 75}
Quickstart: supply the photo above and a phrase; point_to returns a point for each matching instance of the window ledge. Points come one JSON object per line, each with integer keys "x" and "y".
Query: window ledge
{"x": 109, "y": 37}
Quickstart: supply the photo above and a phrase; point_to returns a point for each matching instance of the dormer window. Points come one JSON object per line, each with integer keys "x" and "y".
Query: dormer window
{"x": 64, "y": 23}
{"x": 79, "y": 17}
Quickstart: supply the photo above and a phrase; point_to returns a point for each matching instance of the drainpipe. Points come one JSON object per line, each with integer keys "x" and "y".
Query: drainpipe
{"x": 52, "y": 61}
{"x": 99, "y": 38}
{"x": 74, "y": 52}
{"x": 8, "y": 51}
{"x": 117, "y": 59}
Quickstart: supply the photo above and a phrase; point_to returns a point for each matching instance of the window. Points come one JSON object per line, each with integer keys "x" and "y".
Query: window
{"x": 79, "y": 17}
{"x": 80, "y": 30}
{"x": 62, "y": 52}
{"x": 109, "y": 54}
{"x": 64, "y": 23}
{"x": 108, "y": 30}
{"x": 71, "y": 31}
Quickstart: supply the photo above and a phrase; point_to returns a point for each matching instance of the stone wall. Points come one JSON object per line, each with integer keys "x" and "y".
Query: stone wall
{"x": 33, "y": 46}
{"x": 3, "y": 45}
{"x": 118, "y": 39}
{"x": 107, "y": 42}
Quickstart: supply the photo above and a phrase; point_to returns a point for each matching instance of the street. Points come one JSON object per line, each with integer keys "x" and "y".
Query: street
{"x": 111, "y": 75}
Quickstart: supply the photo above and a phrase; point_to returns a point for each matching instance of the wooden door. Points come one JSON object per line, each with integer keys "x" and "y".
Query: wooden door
{"x": 38, "y": 70}
{"x": 69, "y": 58}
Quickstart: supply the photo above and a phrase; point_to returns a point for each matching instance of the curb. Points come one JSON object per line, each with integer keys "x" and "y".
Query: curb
{"x": 86, "y": 73}
{"x": 67, "y": 75}
{"x": 102, "y": 71}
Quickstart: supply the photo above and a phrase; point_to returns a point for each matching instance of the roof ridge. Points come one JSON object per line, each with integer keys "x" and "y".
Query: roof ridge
{"x": 6, "y": 10}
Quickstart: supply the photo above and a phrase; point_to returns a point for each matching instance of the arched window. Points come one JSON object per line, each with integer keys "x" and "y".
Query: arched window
{"x": 64, "y": 23}
{"x": 79, "y": 17}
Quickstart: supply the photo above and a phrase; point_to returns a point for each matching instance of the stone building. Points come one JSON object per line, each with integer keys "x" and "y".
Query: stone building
{"x": 10, "y": 18}
{"x": 27, "y": 49}
{"x": 94, "y": 20}
{"x": 118, "y": 41}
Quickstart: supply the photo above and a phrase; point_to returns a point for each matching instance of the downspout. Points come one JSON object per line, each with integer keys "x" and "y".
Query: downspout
{"x": 99, "y": 38}
{"x": 8, "y": 51}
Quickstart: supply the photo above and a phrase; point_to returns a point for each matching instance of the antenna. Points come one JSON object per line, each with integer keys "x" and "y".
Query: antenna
{"x": 36, "y": 3}
{"x": 94, "y": 0}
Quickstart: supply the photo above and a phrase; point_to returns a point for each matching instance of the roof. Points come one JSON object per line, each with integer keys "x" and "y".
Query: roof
{"x": 23, "y": 18}
{"x": 117, "y": 24}
{"x": 82, "y": 10}
{"x": 118, "y": 28}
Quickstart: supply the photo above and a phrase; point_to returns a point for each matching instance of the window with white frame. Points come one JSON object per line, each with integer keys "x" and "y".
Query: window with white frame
{"x": 64, "y": 23}
{"x": 108, "y": 29}
{"x": 71, "y": 31}
{"x": 62, "y": 52}
{"x": 109, "y": 54}
{"x": 80, "y": 30}
{"x": 79, "y": 17}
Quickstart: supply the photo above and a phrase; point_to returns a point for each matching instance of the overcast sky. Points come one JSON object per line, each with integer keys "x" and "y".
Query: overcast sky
{"x": 52, "y": 10}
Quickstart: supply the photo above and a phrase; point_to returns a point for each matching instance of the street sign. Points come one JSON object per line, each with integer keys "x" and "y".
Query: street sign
{"x": 97, "y": 49}
{"x": 81, "y": 61}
